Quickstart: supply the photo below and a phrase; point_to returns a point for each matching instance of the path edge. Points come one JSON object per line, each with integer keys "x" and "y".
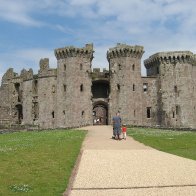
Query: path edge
{"x": 73, "y": 174}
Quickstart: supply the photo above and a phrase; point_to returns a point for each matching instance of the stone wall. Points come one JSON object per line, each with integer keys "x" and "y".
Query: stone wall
{"x": 47, "y": 102}
{"x": 176, "y": 87}
{"x": 4, "y": 104}
{"x": 194, "y": 92}
{"x": 149, "y": 101}
{"x": 126, "y": 83}
{"x": 74, "y": 105}
{"x": 27, "y": 102}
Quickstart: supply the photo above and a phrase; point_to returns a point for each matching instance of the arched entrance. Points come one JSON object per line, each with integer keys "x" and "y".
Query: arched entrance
{"x": 100, "y": 91}
{"x": 100, "y": 114}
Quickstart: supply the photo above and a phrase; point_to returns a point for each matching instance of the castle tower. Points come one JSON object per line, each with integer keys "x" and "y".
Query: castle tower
{"x": 125, "y": 82}
{"x": 176, "y": 73}
{"x": 74, "y": 104}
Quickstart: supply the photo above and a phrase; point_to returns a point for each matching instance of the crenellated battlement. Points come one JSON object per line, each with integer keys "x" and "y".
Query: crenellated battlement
{"x": 123, "y": 50}
{"x": 26, "y": 75}
{"x": 170, "y": 57}
{"x": 62, "y": 53}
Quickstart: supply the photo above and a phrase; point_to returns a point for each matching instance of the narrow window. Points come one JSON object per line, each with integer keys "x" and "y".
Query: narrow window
{"x": 65, "y": 87}
{"x": 118, "y": 87}
{"x": 133, "y": 67}
{"x": 17, "y": 87}
{"x": 53, "y": 88}
{"x": 157, "y": 69}
{"x": 148, "y": 112}
{"x": 175, "y": 89}
{"x": 145, "y": 87}
{"x": 133, "y": 87}
{"x": 65, "y": 67}
{"x": 81, "y": 87}
{"x": 35, "y": 110}
{"x": 134, "y": 113}
{"x": 173, "y": 114}
{"x": 35, "y": 87}
{"x": 81, "y": 66}
{"x": 82, "y": 113}
{"x": 53, "y": 114}
{"x": 177, "y": 110}
{"x": 64, "y": 112}
{"x": 119, "y": 66}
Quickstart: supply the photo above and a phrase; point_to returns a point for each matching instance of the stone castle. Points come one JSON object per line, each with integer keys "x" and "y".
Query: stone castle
{"x": 74, "y": 95}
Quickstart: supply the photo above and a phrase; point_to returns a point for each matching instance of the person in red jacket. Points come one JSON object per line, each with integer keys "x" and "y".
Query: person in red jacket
{"x": 124, "y": 131}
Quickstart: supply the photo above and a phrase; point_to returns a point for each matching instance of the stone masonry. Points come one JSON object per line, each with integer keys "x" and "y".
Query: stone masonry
{"x": 74, "y": 95}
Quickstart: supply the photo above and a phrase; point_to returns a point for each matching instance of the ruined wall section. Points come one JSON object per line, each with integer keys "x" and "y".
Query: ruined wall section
{"x": 11, "y": 98}
{"x": 46, "y": 96}
{"x": 4, "y": 104}
{"x": 176, "y": 84}
{"x": 39, "y": 96}
{"x": 5, "y": 108}
{"x": 27, "y": 96}
{"x": 149, "y": 101}
{"x": 74, "y": 104}
{"x": 125, "y": 83}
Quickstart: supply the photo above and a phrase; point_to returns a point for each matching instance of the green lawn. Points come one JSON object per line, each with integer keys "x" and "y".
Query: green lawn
{"x": 181, "y": 143}
{"x": 38, "y": 163}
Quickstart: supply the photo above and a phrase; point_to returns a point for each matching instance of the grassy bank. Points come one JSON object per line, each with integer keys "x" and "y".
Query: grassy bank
{"x": 38, "y": 163}
{"x": 181, "y": 143}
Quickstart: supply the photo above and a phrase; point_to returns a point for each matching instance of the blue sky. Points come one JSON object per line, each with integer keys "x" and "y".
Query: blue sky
{"x": 32, "y": 29}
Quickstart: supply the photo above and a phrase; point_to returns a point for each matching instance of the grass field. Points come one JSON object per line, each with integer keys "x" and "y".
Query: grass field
{"x": 38, "y": 163}
{"x": 181, "y": 143}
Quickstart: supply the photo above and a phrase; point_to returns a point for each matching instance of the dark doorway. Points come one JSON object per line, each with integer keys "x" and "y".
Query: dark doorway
{"x": 100, "y": 114}
{"x": 19, "y": 112}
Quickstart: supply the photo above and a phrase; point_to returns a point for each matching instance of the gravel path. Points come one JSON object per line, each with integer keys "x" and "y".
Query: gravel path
{"x": 109, "y": 167}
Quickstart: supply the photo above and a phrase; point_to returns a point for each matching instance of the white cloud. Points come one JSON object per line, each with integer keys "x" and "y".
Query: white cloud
{"x": 82, "y": 2}
{"x": 17, "y": 12}
{"x": 158, "y": 25}
{"x": 100, "y": 59}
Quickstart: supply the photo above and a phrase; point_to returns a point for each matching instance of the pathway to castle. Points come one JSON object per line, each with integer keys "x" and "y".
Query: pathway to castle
{"x": 126, "y": 168}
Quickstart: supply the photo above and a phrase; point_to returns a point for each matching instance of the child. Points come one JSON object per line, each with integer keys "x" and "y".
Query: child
{"x": 124, "y": 131}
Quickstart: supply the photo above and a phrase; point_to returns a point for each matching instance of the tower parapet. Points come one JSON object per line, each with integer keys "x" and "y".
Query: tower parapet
{"x": 123, "y": 50}
{"x": 62, "y": 53}
{"x": 170, "y": 58}
{"x": 26, "y": 75}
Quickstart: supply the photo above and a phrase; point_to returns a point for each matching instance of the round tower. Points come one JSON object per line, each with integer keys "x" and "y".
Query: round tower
{"x": 176, "y": 74}
{"x": 74, "y": 105}
{"x": 125, "y": 82}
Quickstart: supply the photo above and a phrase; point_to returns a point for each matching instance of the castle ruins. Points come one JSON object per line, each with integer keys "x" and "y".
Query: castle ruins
{"x": 75, "y": 95}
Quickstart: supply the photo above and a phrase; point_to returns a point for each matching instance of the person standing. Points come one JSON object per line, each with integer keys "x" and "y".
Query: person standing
{"x": 124, "y": 131}
{"x": 117, "y": 126}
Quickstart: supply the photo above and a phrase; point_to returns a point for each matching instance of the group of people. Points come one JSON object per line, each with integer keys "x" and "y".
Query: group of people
{"x": 117, "y": 128}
